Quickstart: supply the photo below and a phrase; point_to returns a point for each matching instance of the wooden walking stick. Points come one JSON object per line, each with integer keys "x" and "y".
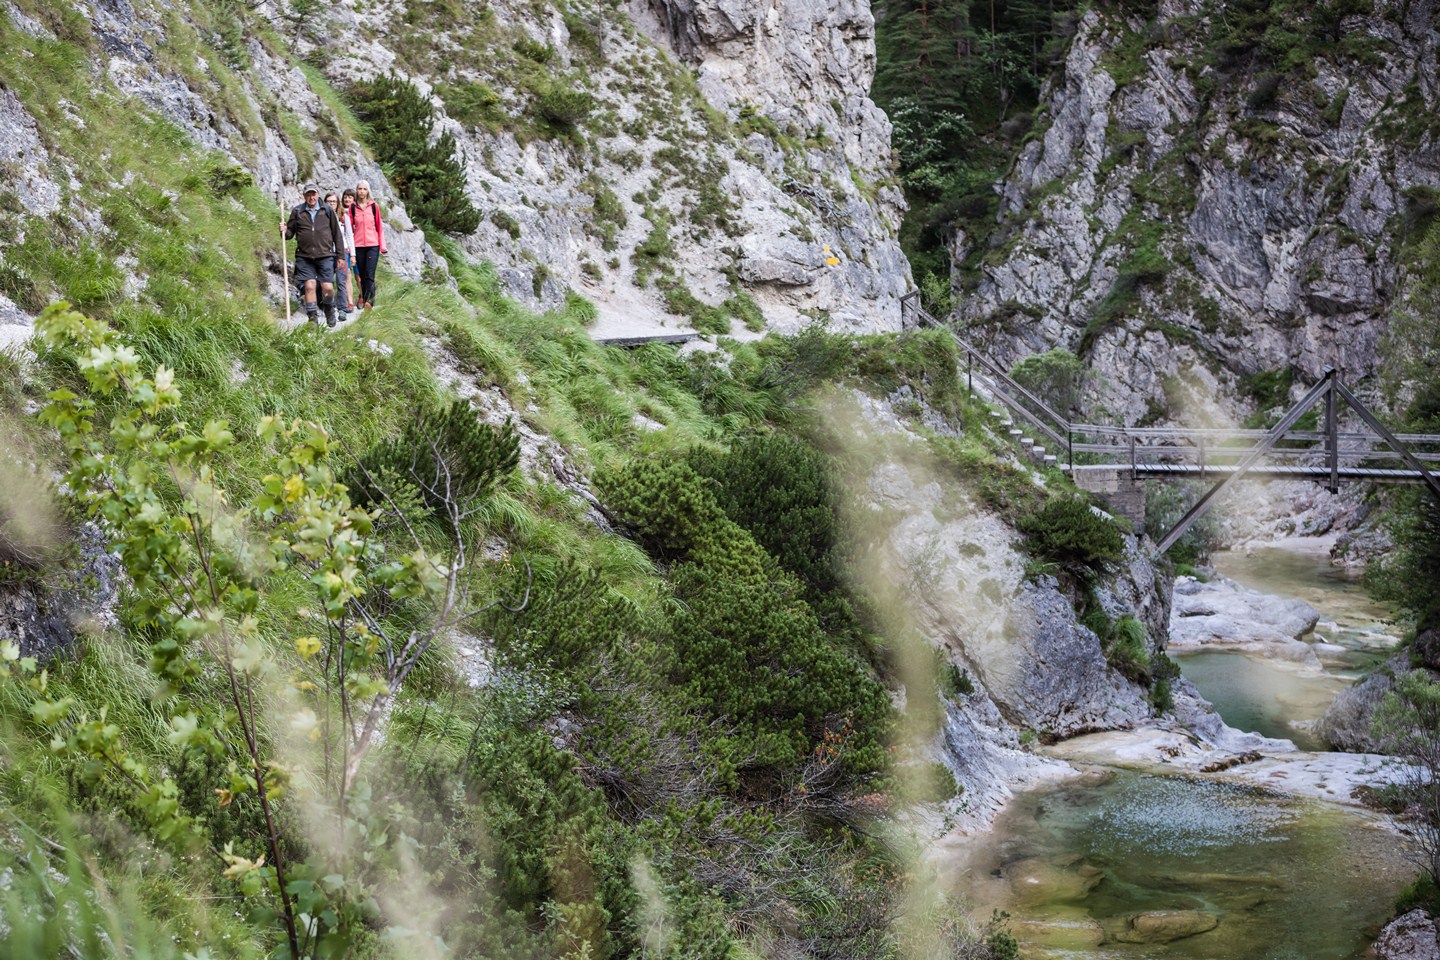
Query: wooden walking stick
{"x": 284, "y": 260}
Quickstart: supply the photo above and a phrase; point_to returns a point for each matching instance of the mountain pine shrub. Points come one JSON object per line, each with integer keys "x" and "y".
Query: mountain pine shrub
{"x": 1067, "y": 531}
{"x": 429, "y": 179}
{"x": 746, "y": 649}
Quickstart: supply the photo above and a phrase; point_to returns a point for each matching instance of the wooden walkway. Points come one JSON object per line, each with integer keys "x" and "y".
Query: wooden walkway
{"x": 630, "y": 343}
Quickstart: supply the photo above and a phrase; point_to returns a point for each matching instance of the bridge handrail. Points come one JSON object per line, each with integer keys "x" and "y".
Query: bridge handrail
{"x": 1207, "y": 444}
{"x": 1057, "y": 421}
{"x": 1220, "y": 454}
{"x": 1238, "y": 433}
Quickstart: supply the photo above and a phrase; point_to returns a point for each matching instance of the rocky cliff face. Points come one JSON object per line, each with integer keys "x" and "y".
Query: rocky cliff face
{"x": 1213, "y": 192}
{"x": 600, "y": 166}
{"x": 604, "y": 168}
{"x": 953, "y": 572}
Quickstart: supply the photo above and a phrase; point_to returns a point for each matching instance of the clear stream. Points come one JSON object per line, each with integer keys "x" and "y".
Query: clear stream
{"x": 1279, "y": 879}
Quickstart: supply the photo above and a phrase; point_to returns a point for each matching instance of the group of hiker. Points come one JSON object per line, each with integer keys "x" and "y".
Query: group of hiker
{"x": 338, "y": 241}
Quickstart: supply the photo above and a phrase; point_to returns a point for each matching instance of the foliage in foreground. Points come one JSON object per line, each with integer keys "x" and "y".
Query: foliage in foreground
{"x": 1407, "y": 725}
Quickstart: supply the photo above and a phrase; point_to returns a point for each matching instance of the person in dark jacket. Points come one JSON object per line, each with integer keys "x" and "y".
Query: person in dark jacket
{"x": 316, "y": 231}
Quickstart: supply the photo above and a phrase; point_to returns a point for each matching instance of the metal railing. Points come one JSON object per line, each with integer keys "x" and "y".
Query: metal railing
{"x": 1325, "y": 454}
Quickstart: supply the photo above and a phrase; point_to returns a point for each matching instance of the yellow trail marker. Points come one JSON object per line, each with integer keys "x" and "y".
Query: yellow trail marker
{"x": 830, "y": 259}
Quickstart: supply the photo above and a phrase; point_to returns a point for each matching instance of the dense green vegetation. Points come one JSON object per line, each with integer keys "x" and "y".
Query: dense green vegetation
{"x": 398, "y": 119}
{"x": 960, "y": 80}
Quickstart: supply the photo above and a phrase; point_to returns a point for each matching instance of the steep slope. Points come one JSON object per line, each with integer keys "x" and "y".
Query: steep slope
{"x": 1215, "y": 198}
{"x": 602, "y": 165}
{"x": 598, "y": 163}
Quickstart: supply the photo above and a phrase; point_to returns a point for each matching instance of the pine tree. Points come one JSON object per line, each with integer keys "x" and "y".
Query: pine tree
{"x": 427, "y": 176}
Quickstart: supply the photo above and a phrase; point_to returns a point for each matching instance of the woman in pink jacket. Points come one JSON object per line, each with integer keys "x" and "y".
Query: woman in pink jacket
{"x": 369, "y": 241}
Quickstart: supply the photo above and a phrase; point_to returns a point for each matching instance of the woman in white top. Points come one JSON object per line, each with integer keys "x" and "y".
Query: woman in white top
{"x": 344, "y": 261}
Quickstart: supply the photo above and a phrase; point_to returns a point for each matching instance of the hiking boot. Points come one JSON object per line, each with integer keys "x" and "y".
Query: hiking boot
{"x": 312, "y": 316}
{"x": 330, "y": 315}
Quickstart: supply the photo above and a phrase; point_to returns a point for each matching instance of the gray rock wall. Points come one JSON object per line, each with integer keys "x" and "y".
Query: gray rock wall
{"x": 1274, "y": 199}
{"x": 751, "y": 137}
{"x": 776, "y": 160}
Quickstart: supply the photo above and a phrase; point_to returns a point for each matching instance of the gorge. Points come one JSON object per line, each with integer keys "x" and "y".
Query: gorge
{"x": 454, "y": 631}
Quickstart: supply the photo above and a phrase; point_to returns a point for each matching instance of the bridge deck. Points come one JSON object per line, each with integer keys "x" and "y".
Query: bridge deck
{"x": 1261, "y": 472}
{"x": 629, "y": 343}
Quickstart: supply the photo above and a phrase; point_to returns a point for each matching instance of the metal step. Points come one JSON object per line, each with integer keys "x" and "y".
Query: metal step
{"x": 1049, "y": 458}
{"x": 1027, "y": 441}
{"x": 1016, "y": 433}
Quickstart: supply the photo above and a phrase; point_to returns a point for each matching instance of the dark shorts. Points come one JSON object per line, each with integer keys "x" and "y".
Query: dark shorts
{"x": 320, "y": 268}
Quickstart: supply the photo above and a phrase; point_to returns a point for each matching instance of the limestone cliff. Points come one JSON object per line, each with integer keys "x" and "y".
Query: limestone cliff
{"x": 653, "y": 189}
{"x": 947, "y": 568}
{"x": 1214, "y": 191}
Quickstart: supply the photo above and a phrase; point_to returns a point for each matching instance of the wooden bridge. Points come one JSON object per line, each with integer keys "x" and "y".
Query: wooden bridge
{"x": 1114, "y": 461}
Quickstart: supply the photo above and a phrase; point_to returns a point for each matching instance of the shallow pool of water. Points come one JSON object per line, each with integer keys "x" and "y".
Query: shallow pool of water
{"x": 1277, "y": 879}
{"x": 1349, "y": 616}
{"x": 1260, "y": 696}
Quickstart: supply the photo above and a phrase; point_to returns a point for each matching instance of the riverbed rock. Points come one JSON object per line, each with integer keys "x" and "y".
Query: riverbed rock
{"x": 1427, "y": 648}
{"x": 1038, "y": 881}
{"x": 1165, "y": 926}
{"x": 1345, "y": 724}
{"x": 1067, "y": 933}
{"x": 1222, "y": 612}
{"x": 1413, "y": 936}
{"x": 988, "y": 760}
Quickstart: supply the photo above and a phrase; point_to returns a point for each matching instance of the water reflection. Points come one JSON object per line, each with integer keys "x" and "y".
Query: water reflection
{"x": 1261, "y": 696}
{"x": 1141, "y": 866}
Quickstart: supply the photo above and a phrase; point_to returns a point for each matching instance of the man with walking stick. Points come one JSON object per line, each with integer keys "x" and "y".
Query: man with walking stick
{"x": 317, "y": 237}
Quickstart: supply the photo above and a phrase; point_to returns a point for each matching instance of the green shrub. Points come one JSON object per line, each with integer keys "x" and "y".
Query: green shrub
{"x": 228, "y": 180}
{"x": 762, "y": 666}
{"x": 1422, "y": 894}
{"x": 1406, "y": 575}
{"x": 679, "y": 299}
{"x": 930, "y": 782}
{"x": 534, "y": 50}
{"x": 955, "y": 682}
{"x": 445, "y": 456}
{"x": 1067, "y": 531}
{"x": 506, "y": 222}
{"x": 747, "y": 651}
{"x": 473, "y": 104}
{"x": 563, "y": 106}
{"x": 429, "y": 179}
{"x": 1056, "y": 377}
{"x": 779, "y": 489}
{"x": 1128, "y": 650}
{"x": 743, "y": 307}
{"x": 657, "y": 249}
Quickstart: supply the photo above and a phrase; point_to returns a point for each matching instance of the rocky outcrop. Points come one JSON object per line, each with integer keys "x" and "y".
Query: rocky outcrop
{"x": 1345, "y": 724}
{"x": 44, "y": 614}
{"x": 988, "y": 760}
{"x": 958, "y": 572}
{"x": 1164, "y": 926}
{"x": 763, "y": 195}
{"x": 1203, "y": 200}
{"x": 1414, "y": 936}
{"x": 1220, "y": 612}
{"x": 655, "y": 193}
